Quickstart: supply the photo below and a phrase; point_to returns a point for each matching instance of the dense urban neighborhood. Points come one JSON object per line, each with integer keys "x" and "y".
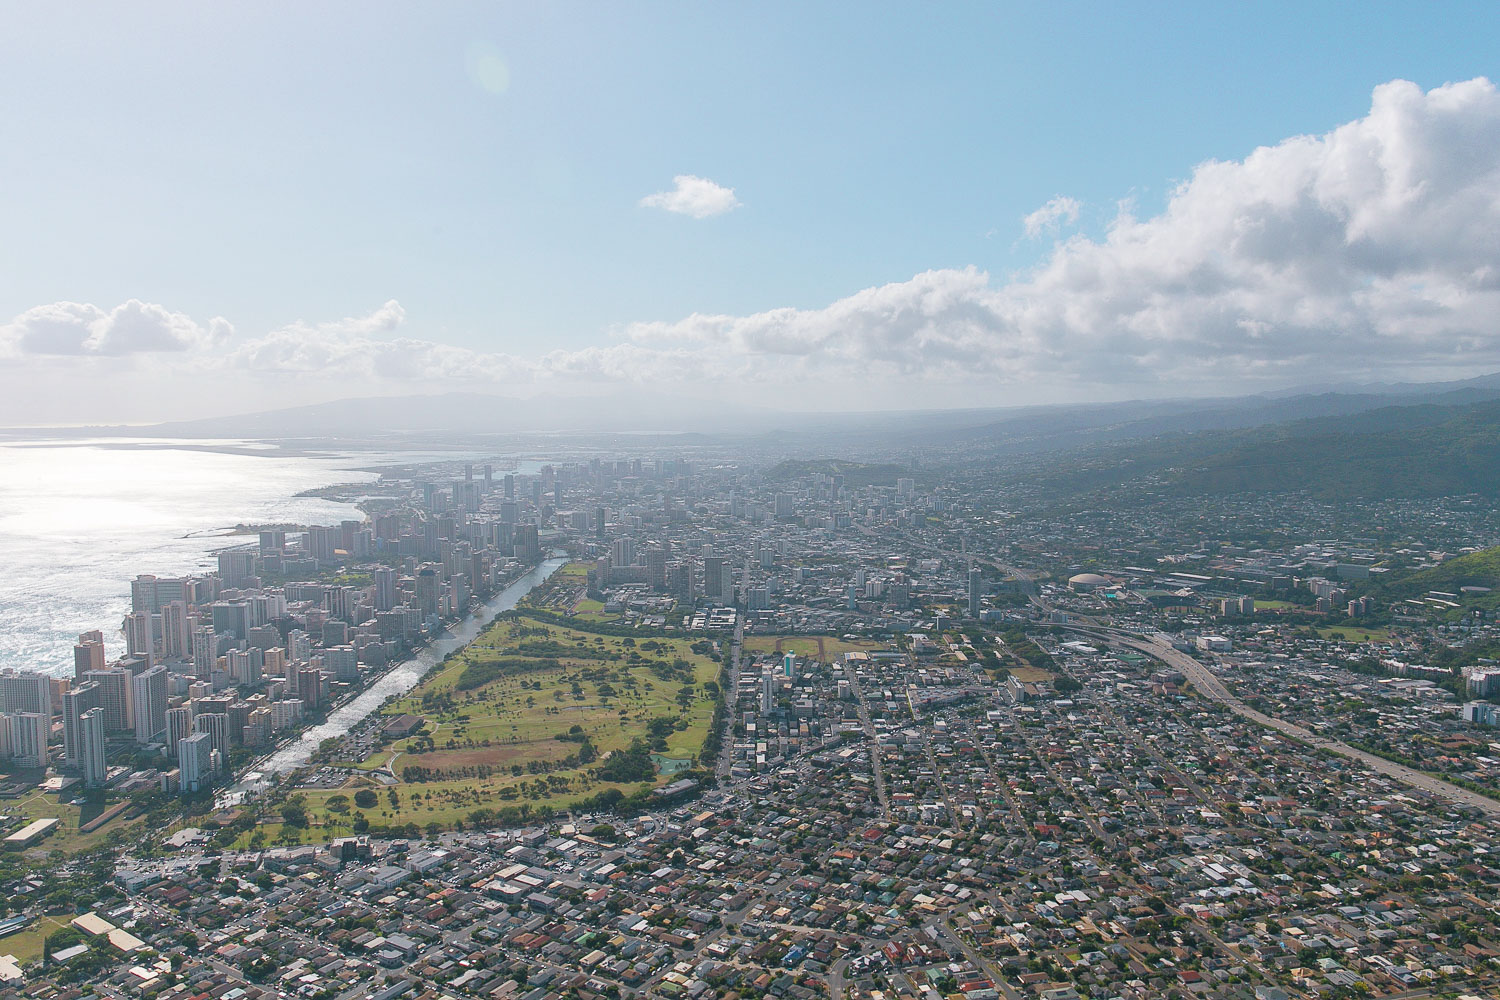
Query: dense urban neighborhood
{"x": 698, "y": 726}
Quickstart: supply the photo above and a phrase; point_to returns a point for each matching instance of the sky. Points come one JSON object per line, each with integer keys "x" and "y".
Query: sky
{"x": 210, "y": 209}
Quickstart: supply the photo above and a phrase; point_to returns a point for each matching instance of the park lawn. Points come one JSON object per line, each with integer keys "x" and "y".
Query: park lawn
{"x": 26, "y": 945}
{"x": 576, "y": 568}
{"x": 1353, "y": 633}
{"x": 1030, "y": 675}
{"x": 588, "y": 606}
{"x": 826, "y": 648}
{"x": 1265, "y": 605}
{"x": 66, "y": 839}
{"x": 480, "y": 745}
{"x": 374, "y": 762}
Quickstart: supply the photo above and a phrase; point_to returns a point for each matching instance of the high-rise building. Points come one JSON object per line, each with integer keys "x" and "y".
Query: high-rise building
{"x": 768, "y": 689}
{"x": 205, "y": 651}
{"x": 236, "y": 567}
{"x": 713, "y": 576}
{"x": 385, "y": 588}
{"x": 150, "y": 697}
{"x": 622, "y": 552}
{"x": 232, "y": 618}
{"x": 176, "y": 641}
{"x": 527, "y": 545}
{"x": 216, "y": 726}
{"x": 26, "y": 692}
{"x": 116, "y": 697}
{"x": 179, "y": 725}
{"x": 343, "y": 662}
{"x": 195, "y": 762}
{"x": 976, "y": 590}
{"x": 428, "y": 590}
{"x": 28, "y": 733}
{"x": 152, "y": 593}
{"x": 307, "y": 684}
{"x": 83, "y": 698}
{"x": 92, "y": 761}
{"x": 88, "y": 655}
{"x": 656, "y": 568}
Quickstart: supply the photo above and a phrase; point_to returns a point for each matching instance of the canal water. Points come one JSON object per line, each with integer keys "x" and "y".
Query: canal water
{"x": 396, "y": 681}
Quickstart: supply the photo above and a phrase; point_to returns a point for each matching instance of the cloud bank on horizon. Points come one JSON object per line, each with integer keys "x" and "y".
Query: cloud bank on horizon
{"x": 1372, "y": 249}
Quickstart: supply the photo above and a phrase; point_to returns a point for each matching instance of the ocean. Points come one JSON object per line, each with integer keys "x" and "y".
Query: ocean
{"x": 80, "y": 519}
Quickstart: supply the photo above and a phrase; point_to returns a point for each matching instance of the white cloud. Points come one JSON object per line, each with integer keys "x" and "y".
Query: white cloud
{"x": 695, "y": 196}
{"x": 1370, "y": 251}
{"x": 1061, "y": 209}
{"x": 133, "y": 327}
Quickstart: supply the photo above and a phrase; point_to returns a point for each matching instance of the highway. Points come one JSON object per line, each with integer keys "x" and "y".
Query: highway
{"x": 1209, "y": 686}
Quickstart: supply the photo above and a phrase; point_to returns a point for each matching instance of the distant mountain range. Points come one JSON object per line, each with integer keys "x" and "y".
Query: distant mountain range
{"x": 1397, "y": 440}
{"x": 1404, "y": 451}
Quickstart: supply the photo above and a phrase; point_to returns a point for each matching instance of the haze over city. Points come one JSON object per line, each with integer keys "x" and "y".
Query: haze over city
{"x": 704, "y": 502}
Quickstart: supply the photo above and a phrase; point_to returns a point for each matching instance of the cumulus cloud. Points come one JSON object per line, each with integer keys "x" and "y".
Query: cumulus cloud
{"x": 696, "y": 196}
{"x": 1061, "y": 209}
{"x": 133, "y": 327}
{"x": 1370, "y": 250}
{"x": 1373, "y": 248}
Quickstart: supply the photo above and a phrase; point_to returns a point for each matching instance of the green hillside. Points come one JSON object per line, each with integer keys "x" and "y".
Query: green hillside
{"x": 1476, "y": 569}
{"x": 1404, "y": 452}
{"x": 856, "y": 474}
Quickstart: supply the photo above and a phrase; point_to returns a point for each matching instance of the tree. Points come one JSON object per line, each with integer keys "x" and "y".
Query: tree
{"x": 365, "y": 798}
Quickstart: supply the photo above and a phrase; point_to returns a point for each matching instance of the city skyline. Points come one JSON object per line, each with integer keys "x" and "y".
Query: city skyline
{"x": 221, "y": 212}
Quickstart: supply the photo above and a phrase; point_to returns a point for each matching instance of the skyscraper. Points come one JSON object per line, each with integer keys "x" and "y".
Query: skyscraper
{"x": 195, "y": 761}
{"x": 116, "y": 697}
{"x": 88, "y": 655}
{"x": 150, "y": 697}
{"x": 92, "y": 761}
{"x": 28, "y": 737}
{"x": 83, "y": 698}
{"x": 385, "y": 588}
{"x": 205, "y": 651}
{"x": 976, "y": 590}
{"x": 138, "y": 640}
{"x": 26, "y": 692}
{"x": 216, "y": 726}
{"x": 176, "y": 643}
{"x": 179, "y": 725}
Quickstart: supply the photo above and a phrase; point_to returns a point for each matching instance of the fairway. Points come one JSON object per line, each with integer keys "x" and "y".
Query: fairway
{"x": 825, "y": 648}
{"x": 526, "y": 715}
{"x": 1353, "y": 633}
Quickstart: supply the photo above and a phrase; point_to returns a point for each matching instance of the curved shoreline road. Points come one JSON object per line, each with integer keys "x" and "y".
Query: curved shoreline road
{"x": 1213, "y": 688}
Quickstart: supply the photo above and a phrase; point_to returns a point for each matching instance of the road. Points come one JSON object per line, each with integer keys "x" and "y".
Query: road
{"x": 1212, "y": 688}
{"x": 731, "y": 699}
{"x": 874, "y": 741}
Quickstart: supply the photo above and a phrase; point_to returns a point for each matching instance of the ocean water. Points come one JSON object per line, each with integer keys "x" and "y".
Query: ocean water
{"x": 80, "y": 519}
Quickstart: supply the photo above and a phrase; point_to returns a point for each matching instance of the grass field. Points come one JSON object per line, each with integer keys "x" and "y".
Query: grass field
{"x": 1353, "y": 633}
{"x": 67, "y": 839}
{"x": 494, "y": 713}
{"x": 820, "y": 647}
{"x": 26, "y": 945}
{"x": 1029, "y": 675}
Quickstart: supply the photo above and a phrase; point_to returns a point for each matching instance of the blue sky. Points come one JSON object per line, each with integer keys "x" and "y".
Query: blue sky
{"x": 484, "y": 166}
